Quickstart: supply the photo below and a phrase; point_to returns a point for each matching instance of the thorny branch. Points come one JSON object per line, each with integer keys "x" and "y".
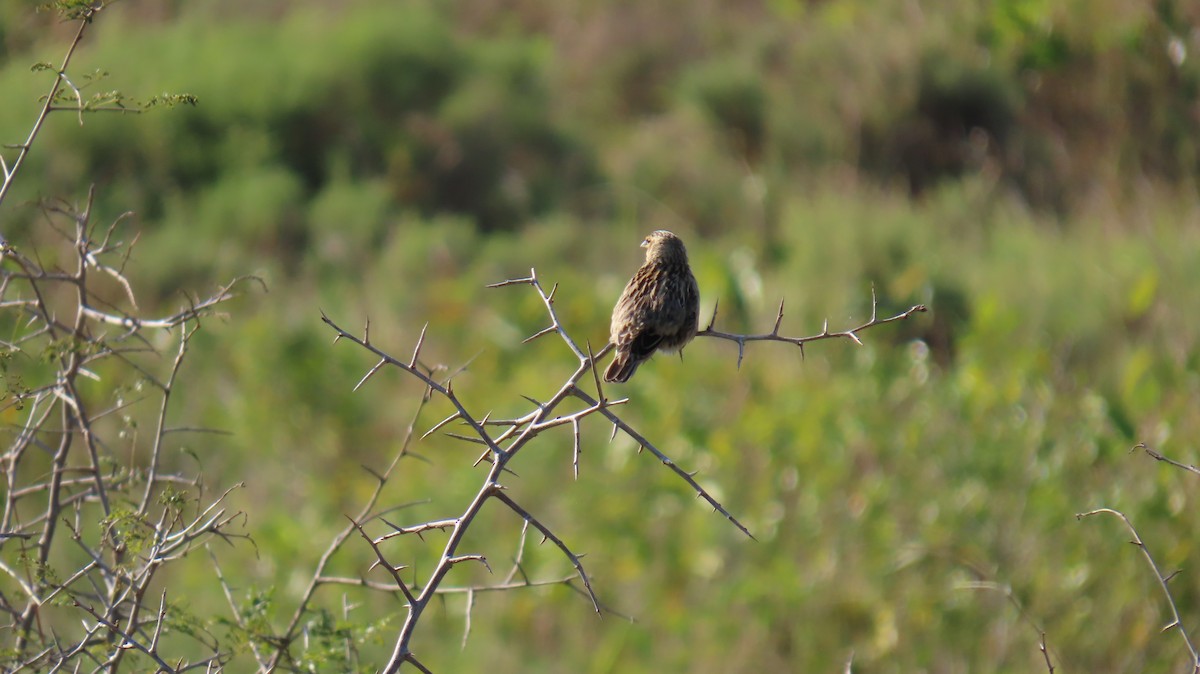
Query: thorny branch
{"x": 503, "y": 445}
{"x": 23, "y": 149}
{"x": 1152, "y": 453}
{"x": 774, "y": 336}
{"x": 64, "y": 90}
{"x": 70, "y": 487}
{"x": 1006, "y": 590}
{"x": 77, "y": 485}
{"x": 1176, "y": 623}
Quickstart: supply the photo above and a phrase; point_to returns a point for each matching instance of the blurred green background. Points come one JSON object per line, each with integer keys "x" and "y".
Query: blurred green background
{"x": 1027, "y": 168}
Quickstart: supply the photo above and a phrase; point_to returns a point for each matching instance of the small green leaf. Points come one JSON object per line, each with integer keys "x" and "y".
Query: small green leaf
{"x": 169, "y": 100}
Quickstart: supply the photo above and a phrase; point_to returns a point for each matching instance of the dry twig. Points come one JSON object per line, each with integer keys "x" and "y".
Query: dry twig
{"x": 774, "y": 336}
{"x": 1191, "y": 468}
{"x": 1176, "y": 623}
{"x": 85, "y": 480}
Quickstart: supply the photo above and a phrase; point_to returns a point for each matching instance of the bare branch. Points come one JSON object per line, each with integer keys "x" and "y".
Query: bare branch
{"x": 412, "y": 659}
{"x": 445, "y": 390}
{"x": 666, "y": 461}
{"x": 774, "y": 336}
{"x": 1191, "y": 468}
{"x": 318, "y": 577}
{"x": 1175, "y": 623}
{"x": 128, "y": 639}
{"x": 393, "y": 570}
{"x": 60, "y": 77}
{"x": 548, "y": 301}
{"x": 440, "y": 525}
{"x": 524, "y": 514}
{"x": 1006, "y": 590}
{"x": 515, "y": 433}
{"x": 1045, "y": 653}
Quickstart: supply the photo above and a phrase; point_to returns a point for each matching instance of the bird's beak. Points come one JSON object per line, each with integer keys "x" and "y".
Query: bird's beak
{"x": 645, "y": 243}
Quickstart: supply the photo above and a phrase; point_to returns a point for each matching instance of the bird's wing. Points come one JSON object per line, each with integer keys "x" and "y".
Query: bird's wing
{"x": 644, "y": 343}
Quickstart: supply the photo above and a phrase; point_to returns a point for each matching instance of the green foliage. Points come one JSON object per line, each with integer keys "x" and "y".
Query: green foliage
{"x": 734, "y": 97}
{"x": 388, "y": 161}
{"x": 459, "y": 126}
{"x": 74, "y": 9}
{"x": 126, "y": 531}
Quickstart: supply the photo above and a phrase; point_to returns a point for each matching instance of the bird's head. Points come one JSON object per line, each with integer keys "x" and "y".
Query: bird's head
{"x": 664, "y": 246}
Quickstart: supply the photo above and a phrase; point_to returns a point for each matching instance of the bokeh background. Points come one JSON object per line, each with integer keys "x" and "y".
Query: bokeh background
{"x": 1027, "y": 168}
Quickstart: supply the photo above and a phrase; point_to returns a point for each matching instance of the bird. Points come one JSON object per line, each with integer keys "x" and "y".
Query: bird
{"x": 659, "y": 310}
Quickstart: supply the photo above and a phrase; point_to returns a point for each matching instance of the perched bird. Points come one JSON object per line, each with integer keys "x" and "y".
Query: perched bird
{"x": 659, "y": 309}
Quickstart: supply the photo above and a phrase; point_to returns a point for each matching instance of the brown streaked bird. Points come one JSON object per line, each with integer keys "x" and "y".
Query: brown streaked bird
{"x": 659, "y": 309}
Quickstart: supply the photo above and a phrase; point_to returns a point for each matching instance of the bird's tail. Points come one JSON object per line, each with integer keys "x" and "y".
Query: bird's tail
{"x": 621, "y": 369}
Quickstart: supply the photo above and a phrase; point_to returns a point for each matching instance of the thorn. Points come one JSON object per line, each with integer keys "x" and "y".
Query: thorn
{"x": 369, "y": 374}
{"x": 535, "y": 402}
{"x": 596, "y": 374}
{"x": 466, "y": 438}
{"x": 417, "y": 349}
{"x": 713, "y": 320}
{"x": 855, "y": 338}
{"x": 741, "y": 352}
{"x": 550, "y": 297}
{"x": 367, "y": 331}
{"x": 778, "y": 319}
{"x": 440, "y": 424}
{"x": 614, "y": 434}
{"x": 513, "y": 281}
{"x": 539, "y": 333}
